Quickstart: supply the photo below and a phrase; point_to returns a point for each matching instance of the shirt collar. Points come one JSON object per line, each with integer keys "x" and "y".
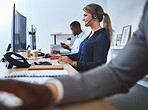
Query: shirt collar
{"x": 81, "y": 34}
{"x": 97, "y": 31}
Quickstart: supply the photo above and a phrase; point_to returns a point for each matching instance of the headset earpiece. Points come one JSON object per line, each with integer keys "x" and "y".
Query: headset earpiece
{"x": 95, "y": 16}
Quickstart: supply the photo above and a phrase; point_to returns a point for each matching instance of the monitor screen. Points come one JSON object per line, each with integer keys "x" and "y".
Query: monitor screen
{"x": 18, "y": 38}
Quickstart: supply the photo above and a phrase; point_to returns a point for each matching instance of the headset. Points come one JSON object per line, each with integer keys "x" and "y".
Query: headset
{"x": 94, "y": 16}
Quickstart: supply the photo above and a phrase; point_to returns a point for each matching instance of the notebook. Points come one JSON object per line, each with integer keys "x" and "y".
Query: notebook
{"x": 38, "y": 73}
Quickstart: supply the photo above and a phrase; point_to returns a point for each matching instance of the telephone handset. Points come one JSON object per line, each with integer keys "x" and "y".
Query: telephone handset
{"x": 19, "y": 63}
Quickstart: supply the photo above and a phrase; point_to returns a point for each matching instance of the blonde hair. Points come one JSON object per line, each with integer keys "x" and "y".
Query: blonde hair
{"x": 97, "y": 9}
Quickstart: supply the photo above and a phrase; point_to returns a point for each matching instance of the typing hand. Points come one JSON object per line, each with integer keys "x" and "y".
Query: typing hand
{"x": 55, "y": 52}
{"x": 48, "y": 54}
{"x": 65, "y": 59}
{"x": 53, "y": 56}
{"x": 34, "y": 96}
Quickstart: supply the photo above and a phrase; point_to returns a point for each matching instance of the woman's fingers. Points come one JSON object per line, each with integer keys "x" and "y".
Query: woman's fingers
{"x": 62, "y": 59}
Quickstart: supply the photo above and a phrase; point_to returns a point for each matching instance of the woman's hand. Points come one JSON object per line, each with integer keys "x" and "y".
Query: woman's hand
{"x": 34, "y": 96}
{"x": 66, "y": 59}
{"x": 52, "y": 56}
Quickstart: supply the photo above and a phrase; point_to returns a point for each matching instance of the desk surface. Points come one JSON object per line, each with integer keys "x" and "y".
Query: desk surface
{"x": 5, "y": 71}
{"x": 98, "y": 104}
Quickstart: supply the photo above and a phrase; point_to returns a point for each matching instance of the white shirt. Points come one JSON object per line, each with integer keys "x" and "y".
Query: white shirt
{"x": 76, "y": 45}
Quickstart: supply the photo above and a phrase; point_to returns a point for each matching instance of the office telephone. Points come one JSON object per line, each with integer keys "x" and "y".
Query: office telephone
{"x": 14, "y": 59}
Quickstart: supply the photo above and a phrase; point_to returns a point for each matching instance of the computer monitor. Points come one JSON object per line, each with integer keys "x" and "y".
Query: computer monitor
{"x": 18, "y": 37}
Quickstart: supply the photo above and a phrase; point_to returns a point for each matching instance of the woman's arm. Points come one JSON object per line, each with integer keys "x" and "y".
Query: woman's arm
{"x": 100, "y": 51}
{"x": 73, "y": 57}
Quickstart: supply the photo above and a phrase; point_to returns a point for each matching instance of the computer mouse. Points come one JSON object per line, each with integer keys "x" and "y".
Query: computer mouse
{"x": 45, "y": 63}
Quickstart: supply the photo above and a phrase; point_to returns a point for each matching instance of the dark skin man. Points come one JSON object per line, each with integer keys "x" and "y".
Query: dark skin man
{"x": 76, "y": 30}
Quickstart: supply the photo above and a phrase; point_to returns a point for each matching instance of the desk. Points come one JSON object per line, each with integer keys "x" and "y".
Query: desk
{"x": 5, "y": 71}
{"x": 58, "y": 35}
{"x": 98, "y": 104}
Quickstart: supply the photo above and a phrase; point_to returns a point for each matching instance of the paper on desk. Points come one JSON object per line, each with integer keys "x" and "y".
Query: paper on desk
{"x": 36, "y": 76}
{"x": 33, "y": 80}
{"x": 40, "y": 73}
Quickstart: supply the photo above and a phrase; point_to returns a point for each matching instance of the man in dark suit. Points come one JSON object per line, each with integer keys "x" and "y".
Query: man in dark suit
{"x": 116, "y": 77}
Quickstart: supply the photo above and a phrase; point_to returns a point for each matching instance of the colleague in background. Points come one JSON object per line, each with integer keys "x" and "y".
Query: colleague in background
{"x": 94, "y": 49}
{"x": 80, "y": 36}
{"x": 115, "y": 77}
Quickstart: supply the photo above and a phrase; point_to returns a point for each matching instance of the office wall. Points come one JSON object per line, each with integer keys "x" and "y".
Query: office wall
{"x": 125, "y": 12}
{"x": 5, "y": 24}
{"x": 49, "y": 16}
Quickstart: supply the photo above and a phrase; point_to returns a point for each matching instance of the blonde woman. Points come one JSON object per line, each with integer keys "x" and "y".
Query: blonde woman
{"x": 94, "y": 49}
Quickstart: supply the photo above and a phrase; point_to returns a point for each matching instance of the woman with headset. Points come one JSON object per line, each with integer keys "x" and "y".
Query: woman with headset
{"x": 94, "y": 49}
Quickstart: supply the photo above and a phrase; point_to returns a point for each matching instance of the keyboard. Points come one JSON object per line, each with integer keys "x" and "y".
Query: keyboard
{"x": 44, "y": 60}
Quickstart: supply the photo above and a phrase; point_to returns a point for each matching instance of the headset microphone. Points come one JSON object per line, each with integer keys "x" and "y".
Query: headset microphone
{"x": 89, "y": 21}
